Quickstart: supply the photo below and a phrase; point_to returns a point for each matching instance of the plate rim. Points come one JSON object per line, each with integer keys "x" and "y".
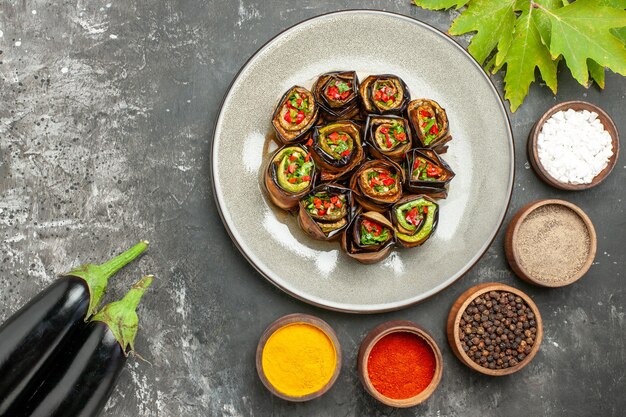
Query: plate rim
{"x": 358, "y": 308}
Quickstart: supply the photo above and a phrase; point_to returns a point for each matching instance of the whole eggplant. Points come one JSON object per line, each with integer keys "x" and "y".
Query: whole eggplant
{"x": 80, "y": 380}
{"x": 30, "y": 337}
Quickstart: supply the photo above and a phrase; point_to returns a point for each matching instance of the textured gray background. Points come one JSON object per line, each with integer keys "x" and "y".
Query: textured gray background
{"x": 106, "y": 115}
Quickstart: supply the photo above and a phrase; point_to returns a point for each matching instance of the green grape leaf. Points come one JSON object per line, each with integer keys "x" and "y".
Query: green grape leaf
{"x": 525, "y": 35}
{"x": 492, "y": 20}
{"x": 440, "y": 4}
{"x": 581, "y": 31}
{"x": 618, "y": 4}
{"x": 542, "y": 21}
{"x": 596, "y": 72}
{"x": 490, "y": 65}
{"x": 620, "y": 34}
{"x": 526, "y": 53}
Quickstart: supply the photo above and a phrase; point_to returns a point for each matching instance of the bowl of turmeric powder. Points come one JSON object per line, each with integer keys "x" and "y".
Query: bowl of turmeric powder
{"x": 298, "y": 357}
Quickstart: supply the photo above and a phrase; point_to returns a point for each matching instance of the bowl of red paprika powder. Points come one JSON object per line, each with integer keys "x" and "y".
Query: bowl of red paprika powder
{"x": 400, "y": 364}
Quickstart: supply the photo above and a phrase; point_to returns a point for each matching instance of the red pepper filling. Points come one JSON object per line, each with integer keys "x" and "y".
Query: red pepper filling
{"x": 381, "y": 182}
{"x": 428, "y": 125}
{"x": 372, "y": 227}
{"x": 413, "y": 217}
{"x": 297, "y": 108}
{"x": 339, "y": 90}
{"x": 385, "y": 93}
{"x": 373, "y": 233}
{"x": 321, "y": 204}
{"x": 391, "y": 136}
{"x": 338, "y": 143}
{"x": 425, "y": 170}
{"x": 299, "y": 167}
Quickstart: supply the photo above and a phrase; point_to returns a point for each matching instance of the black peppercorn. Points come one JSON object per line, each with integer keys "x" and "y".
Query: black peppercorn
{"x": 498, "y": 330}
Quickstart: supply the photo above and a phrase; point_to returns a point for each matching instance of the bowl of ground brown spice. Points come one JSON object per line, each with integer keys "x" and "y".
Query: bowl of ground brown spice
{"x": 550, "y": 243}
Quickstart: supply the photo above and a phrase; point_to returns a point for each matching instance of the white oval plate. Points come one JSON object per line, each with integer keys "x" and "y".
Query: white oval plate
{"x": 433, "y": 66}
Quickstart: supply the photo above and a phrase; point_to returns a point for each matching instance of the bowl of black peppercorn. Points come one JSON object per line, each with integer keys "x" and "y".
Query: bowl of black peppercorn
{"x": 494, "y": 329}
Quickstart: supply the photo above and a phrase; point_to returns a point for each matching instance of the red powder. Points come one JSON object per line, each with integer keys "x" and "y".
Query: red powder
{"x": 401, "y": 365}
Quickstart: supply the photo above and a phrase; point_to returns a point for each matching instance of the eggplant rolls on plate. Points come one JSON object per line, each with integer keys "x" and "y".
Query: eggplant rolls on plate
{"x": 360, "y": 162}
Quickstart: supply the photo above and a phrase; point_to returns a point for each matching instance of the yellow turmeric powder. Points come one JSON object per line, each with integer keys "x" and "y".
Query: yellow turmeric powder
{"x": 299, "y": 359}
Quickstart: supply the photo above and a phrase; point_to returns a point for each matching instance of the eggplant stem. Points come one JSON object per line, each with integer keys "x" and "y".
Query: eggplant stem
{"x": 133, "y": 297}
{"x": 141, "y": 358}
{"x": 121, "y": 316}
{"x": 109, "y": 268}
{"x": 97, "y": 276}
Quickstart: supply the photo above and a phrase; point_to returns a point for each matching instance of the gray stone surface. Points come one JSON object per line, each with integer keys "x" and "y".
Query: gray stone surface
{"x": 106, "y": 115}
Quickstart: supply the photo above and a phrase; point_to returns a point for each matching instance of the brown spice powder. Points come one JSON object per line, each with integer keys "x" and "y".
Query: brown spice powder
{"x": 553, "y": 243}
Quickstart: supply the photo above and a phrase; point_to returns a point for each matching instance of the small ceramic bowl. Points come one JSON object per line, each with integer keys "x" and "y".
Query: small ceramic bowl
{"x": 293, "y": 319}
{"x": 456, "y": 313}
{"x": 512, "y": 252}
{"x": 378, "y": 333}
{"x": 533, "y": 156}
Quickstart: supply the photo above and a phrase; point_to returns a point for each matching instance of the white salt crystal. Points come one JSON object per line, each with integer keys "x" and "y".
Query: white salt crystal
{"x": 573, "y": 146}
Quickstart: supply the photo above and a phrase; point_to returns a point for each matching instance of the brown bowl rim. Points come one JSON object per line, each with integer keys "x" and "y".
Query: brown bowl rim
{"x": 374, "y": 336}
{"x": 512, "y": 252}
{"x": 533, "y": 157}
{"x": 456, "y": 312}
{"x": 288, "y": 320}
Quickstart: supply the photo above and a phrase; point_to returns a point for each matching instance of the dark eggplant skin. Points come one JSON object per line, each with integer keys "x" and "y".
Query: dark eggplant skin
{"x": 367, "y": 255}
{"x": 31, "y": 339}
{"x": 30, "y": 336}
{"x": 81, "y": 379}
{"x": 434, "y": 189}
{"x": 338, "y": 110}
{"x": 366, "y": 91}
{"x": 395, "y": 154}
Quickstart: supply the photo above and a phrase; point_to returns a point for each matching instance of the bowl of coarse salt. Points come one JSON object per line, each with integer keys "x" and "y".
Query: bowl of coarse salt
{"x": 573, "y": 146}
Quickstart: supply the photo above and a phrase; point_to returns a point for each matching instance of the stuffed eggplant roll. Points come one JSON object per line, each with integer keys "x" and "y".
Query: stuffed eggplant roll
{"x": 388, "y": 136}
{"x": 384, "y": 94}
{"x": 295, "y": 115}
{"x": 337, "y": 149}
{"x": 337, "y": 94}
{"x": 369, "y": 238}
{"x": 430, "y": 124}
{"x": 289, "y": 176}
{"x": 415, "y": 219}
{"x": 427, "y": 173}
{"x": 326, "y": 211}
{"x": 377, "y": 184}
